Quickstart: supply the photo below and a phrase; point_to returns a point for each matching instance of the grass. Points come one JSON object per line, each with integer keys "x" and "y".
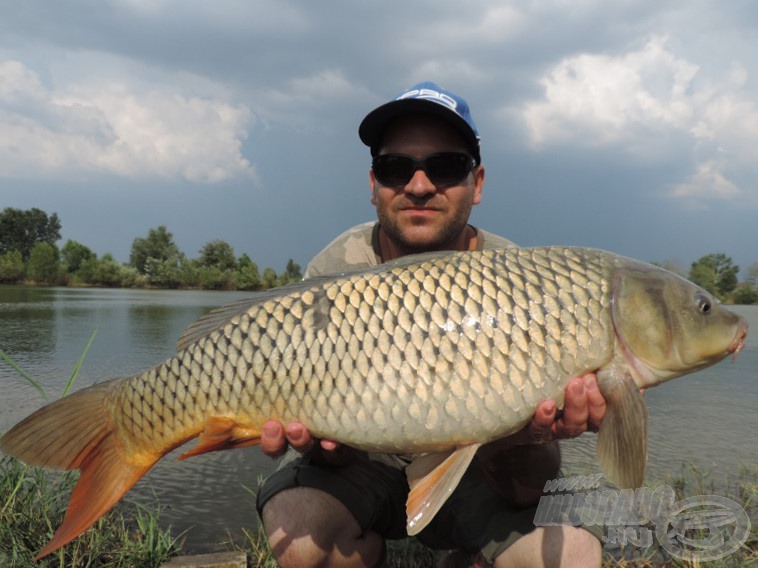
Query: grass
{"x": 32, "y": 504}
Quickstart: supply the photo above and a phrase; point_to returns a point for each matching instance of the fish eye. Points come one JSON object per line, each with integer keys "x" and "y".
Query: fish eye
{"x": 704, "y": 305}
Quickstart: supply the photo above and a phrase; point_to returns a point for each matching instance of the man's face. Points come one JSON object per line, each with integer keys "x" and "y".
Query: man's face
{"x": 421, "y": 216}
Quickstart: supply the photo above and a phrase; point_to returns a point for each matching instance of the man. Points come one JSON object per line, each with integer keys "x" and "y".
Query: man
{"x": 336, "y": 508}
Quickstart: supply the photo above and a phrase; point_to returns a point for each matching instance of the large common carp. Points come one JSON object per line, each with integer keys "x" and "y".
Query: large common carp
{"x": 435, "y": 354}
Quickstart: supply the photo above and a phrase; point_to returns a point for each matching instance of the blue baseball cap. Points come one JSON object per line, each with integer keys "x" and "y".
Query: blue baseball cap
{"x": 428, "y": 98}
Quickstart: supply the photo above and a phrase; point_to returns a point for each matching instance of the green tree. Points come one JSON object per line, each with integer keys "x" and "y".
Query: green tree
{"x": 11, "y": 267}
{"x": 269, "y": 278}
{"x": 218, "y": 254}
{"x": 716, "y": 273}
{"x": 165, "y": 273}
{"x": 106, "y": 271}
{"x": 44, "y": 264}
{"x": 213, "y": 278}
{"x": 74, "y": 255}
{"x": 292, "y": 273}
{"x": 745, "y": 294}
{"x": 247, "y": 276}
{"x": 159, "y": 246}
{"x": 21, "y": 229}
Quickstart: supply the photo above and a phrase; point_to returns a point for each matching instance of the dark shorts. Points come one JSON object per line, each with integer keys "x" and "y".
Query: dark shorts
{"x": 374, "y": 489}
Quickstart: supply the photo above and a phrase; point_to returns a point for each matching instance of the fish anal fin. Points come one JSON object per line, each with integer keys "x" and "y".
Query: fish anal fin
{"x": 432, "y": 478}
{"x": 622, "y": 439}
{"x": 223, "y": 433}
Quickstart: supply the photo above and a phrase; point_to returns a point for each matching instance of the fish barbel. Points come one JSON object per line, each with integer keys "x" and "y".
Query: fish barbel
{"x": 434, "y": 354}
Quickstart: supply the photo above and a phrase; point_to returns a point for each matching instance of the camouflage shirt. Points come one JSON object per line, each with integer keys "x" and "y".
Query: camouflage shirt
{"x": 359, "y": 248}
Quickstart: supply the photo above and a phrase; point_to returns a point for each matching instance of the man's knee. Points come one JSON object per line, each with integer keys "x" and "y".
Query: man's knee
{"x": 563, "y": 546}
{"x": 309, "y": 527}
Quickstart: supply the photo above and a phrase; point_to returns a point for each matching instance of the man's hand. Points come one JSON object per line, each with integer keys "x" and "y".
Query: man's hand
{"x": 583, "y": 409}
{"x": 275, "y": 437}
{"x": 516, "y": 467}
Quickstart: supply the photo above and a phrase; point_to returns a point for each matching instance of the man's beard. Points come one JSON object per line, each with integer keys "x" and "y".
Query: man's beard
{"x": 442, "y": 241}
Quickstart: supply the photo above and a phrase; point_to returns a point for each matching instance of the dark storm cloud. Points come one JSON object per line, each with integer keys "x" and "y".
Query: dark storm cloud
{"x": 629, "y": 126}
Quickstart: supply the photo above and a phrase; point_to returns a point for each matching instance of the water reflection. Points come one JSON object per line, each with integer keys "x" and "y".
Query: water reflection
{"x": 27, "y": 322}
{"x": 153, "y": 324}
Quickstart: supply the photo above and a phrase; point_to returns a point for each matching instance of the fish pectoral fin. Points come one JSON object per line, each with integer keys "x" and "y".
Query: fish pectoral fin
{"x": 223, "y": 433}
{"x": 432, "y": 478}
{"x": 622, "y": 439}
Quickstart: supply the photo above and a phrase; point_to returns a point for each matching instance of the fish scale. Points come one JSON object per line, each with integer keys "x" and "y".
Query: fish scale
{"x": 481, "y": 324}
{"x": 435, "y": 353}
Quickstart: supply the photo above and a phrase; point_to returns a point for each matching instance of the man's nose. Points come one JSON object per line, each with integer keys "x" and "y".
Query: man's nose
{"x": 420, "y": 184}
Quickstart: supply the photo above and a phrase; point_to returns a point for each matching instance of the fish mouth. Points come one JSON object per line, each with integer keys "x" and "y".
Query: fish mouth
{"x": 738, "y": 343}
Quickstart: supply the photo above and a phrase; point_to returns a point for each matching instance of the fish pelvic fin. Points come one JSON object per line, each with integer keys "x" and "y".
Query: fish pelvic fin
{"x": 223, "y": 433}
{"x": 622, "y": 439}
{"x": 432, "y": 478}
{"x": 76, "y": 432}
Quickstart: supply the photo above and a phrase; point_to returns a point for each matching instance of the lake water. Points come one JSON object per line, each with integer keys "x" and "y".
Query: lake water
{"x": 708, "y": 418}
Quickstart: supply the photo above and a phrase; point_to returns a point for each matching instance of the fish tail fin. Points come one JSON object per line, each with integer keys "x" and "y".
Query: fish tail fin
{"x": 76, "y": 432}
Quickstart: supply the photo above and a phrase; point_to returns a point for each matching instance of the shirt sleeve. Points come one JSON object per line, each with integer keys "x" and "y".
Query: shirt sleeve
{"x": 349, "y": 251}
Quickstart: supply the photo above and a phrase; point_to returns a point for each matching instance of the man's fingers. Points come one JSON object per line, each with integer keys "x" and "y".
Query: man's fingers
{"x": 273, "y": 442}
{"x": 540, "y": 428}
{"x": 595, "y": 403}
{"x": 575, "y": 411}
{"x": 275, "y": 438}
{"x": 299, "y": 437}
{"x": 329, "y": 445}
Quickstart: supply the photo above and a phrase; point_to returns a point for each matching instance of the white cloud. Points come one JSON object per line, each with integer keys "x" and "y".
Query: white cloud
{"x": 652, "y": 104}
{"x": 708, "y": 182}
{"x": 115, "y": 128}
{"x": 598, "y": 99}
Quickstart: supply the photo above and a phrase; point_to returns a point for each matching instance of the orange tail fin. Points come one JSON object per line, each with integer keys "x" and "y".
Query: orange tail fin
{"x": 76, "y": 432}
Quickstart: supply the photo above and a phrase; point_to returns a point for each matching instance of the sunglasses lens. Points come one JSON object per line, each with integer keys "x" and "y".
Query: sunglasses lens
{"x": 446, "y": 168}
{"x": 393, "y": 170}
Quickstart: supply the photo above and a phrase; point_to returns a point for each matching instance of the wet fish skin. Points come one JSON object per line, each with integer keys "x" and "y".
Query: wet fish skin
{"x": 438, "y": 353}
{"x": 372, "y": 359}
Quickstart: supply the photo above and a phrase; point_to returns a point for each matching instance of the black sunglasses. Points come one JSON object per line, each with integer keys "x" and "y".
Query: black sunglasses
{"x": 444, "y": 168}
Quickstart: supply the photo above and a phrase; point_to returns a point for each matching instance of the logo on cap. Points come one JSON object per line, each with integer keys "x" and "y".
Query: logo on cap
{"x": 430, "y": 95}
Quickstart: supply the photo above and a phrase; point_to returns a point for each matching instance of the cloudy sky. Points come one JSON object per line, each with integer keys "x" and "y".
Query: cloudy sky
{"x": 625, "y": 125}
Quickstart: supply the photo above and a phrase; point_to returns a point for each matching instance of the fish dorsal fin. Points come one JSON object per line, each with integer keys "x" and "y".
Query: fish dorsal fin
{"x": 212, "y": 321}
{"x": 622, "y": 439}
{"x": 432, "y": 478}
{"x": 219, "y": 317}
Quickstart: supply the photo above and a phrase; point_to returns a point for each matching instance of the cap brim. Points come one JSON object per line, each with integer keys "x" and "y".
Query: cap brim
{"x": 372, "y": 127}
